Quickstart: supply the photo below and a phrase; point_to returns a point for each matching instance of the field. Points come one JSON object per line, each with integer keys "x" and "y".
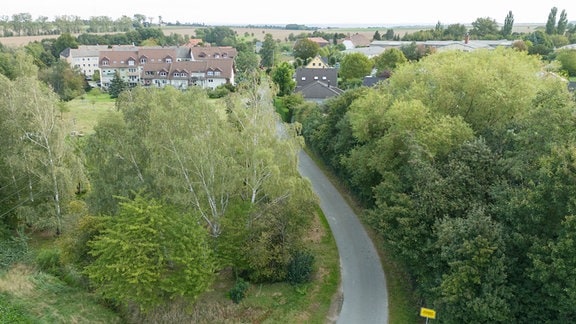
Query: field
{"x": 277, "y": 33}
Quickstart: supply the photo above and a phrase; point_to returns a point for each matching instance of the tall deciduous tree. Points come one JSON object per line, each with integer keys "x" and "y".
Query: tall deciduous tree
{"x": 389, "y": 60}
{"x": 283, "y": 77}
{"x": 268, "y": 51}
{"x": 355, "y": 66}
{"x": 551, "y": 22}
{"x": 484, "y": 28}
{"x": 562, "y": 23}
{"x": 39, "y": 152}
{"x": 305, "y": 49}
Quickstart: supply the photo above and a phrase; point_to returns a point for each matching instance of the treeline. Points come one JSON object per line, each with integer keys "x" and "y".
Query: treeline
{"x": 465, "y": 163}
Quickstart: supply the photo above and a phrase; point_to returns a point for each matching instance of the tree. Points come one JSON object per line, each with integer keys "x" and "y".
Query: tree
{"x": 568, "y": 60}
{"x": 305, "y": 49}
{"x": 508, "y": 25}
{"x": 63, "y": 42}
{"x": 355, "y": 66}
{"x": 377, "y": 36}
{"x": 554, "y": 265}
{"x": 484, "y": 28}
{"x": 117, "y": 85}
{"x": 562, "y": 23}
{"x": 389, "y": 34}
{"x": 474, "y": 286}
{"x": 268, "y": 51}
{"x": 282, "y": 75}
{"x": 389, "y": 60}
{"x": 150, "y": 254}
{"x": 38, "y": 152}
{"x": 551, "y": 22}
{"x": 65, "y": 81}
{"x": 455, "y": 31}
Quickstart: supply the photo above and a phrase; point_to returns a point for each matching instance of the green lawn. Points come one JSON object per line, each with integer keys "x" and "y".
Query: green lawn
{"x": 82, "y": 114}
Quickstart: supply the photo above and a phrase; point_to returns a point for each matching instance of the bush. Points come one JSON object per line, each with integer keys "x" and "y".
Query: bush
{"x": 238, "y": 292}
{"x": 48, "y": 260}
{"x": 300, "y": 268}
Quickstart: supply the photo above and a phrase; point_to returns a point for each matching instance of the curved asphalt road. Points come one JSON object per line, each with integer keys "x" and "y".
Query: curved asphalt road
{"x": 363, "y": 280}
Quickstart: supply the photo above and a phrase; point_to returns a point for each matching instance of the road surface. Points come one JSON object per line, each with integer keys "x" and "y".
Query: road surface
{"x": 365, "y": 296}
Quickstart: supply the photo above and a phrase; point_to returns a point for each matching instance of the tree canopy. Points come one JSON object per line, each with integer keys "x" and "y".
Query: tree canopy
{"x": 463, "y": 163}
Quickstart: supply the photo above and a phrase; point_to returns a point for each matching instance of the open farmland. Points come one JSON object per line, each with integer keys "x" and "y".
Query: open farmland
{"x": 277, "y": 33}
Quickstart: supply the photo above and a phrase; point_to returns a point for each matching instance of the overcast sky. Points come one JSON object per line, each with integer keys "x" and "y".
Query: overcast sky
{"x": 311, "y": 13}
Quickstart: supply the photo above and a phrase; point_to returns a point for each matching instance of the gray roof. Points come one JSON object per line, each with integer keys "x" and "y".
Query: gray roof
{"x": 318, "y": 91}
{"x": 305, "y": 76}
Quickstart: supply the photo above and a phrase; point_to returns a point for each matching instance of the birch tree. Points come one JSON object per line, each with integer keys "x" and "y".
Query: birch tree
{"x": 40, "y": 152}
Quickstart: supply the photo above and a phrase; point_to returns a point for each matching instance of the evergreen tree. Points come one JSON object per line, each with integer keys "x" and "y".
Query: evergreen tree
{"x": 117, "y": 85}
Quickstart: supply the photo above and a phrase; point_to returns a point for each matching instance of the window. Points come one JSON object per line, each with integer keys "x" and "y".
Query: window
{"x": 303, "y": 78}
{"x": 143, "y": 60}
{"x": 131, "y": 62}
{"x": 184, "y": 74}
{"x": 168, "y": 60}
{"x": 176, "y": 74}
{"x": 163, "y": 73}
{"x": 315, "y": 78}
{"x": 324, "y": 78}
{"x": 105, "y": 62}
{"x": 217, "y": 73}
{"x": 210, "y": 73}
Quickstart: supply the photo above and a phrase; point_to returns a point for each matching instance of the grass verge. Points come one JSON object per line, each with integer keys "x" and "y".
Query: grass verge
{"x": 31, "y": 296}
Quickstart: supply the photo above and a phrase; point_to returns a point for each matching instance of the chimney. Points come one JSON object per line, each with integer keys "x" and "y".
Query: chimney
{"x": 466, "y": 38}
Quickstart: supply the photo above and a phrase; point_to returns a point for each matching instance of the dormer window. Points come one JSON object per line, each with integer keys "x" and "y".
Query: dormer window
{"x": 210, "y": 73}
{"x": 168, "y": 60}
{"x": 105, "y": 62}
{"x": 163, "y": 73}
{"x": 131, "y": 62}
{"x": 143, "y": 60}
{"x": 216, "y": 73}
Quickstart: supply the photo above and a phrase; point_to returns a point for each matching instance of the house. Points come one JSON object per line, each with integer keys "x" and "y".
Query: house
{"x": 317, "y": 62}
{"x": 85, "y": 58}
{"x": 317, "y": 84}
{"x": 463, "y": 45}
{"x": 356, "y": 40}
{"x": 318, "y": 91}
{"x": 181, "y": 67}
{"x": 207, "y": 74}
{"x": 320, "y": 41}
{"x": 305, "y": 76}
{"x": 198, "y": 53}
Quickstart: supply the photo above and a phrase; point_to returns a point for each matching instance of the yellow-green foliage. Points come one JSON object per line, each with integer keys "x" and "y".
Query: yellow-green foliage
{"x": 150, "y": 254}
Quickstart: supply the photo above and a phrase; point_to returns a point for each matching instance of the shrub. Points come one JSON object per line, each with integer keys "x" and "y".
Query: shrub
{"x": 238, "y": 292}
{"x": 49, "y": 260}
{"x": 300, "y": 268}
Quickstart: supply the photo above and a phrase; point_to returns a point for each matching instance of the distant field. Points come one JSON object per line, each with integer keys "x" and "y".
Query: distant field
{"x": 278, "y": 34}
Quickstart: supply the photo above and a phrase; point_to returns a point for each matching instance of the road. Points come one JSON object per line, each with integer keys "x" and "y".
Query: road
{"x": 365, "y": 296}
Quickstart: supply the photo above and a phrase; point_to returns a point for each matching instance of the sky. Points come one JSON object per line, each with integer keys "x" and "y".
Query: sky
{"x": 311, "y": 13}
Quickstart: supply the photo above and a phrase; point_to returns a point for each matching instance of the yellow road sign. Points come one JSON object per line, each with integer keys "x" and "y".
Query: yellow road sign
{"x": 428, "y": 313}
